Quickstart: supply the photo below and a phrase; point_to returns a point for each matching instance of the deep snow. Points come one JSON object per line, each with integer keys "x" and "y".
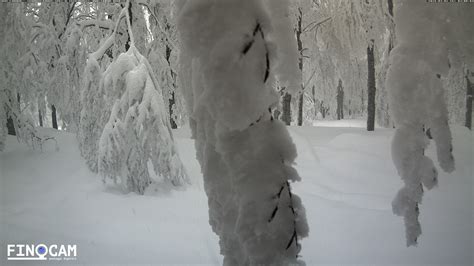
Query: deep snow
{"x": 348, "y": 183}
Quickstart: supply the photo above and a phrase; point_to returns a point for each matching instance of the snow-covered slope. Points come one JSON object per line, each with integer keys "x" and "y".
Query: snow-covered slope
{"x": 348, "y": 184}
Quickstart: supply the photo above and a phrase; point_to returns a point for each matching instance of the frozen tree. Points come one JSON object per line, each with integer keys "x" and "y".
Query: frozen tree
{"x": 52, "y": 26}
{"x": 138, "y": 130}
{"x": 15, "y": 69}
{"x": 163, "y": 57}
{"x": 228, "y": 63}
{"x": 343, "y": 30}
{"x": 419, "y": 63}
{"x": 96, "y": 102}
{"x": 124, "y": 125}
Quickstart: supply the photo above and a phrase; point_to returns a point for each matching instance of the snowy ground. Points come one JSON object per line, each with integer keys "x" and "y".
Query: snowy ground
{"x": 348, "y": 184}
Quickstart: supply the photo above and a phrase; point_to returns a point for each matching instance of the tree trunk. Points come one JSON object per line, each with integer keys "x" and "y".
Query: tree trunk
{"x": 340, "y": 101}
{"x": 468, "y": 102}
{"x": 286, "y": 115}
{"x": 390, "y": 7}
{"x": 40, "y": 118}
{"x": 371, "y": 88}
{"x": 53, "y": 116}
{"x": 300, "y": 109}
{"x": 11, "y": 127}
{"x": 130, "y": 15}
{"x": 300, "y": 65}
{"x": 171, "y": 100}
{"x": 170, "y": 105}
{"x": 390, "y": 41}
{"x": 322, "y": 109}
{"x": 315, "y": 106}
{"x": 10, "y": 123}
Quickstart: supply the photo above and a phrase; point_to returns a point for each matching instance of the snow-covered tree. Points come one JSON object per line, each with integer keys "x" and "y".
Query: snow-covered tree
{"x": 163, "y": 57}
{"x": 15, "y": 61}
{"x": 229, "y": 61}
{"x": 124, "y": 123}
{"x": 96, "y": 102}
{"x": 138, "y": 131}
{"x": 337, "y": 35}
{"x": 420, "y": 61}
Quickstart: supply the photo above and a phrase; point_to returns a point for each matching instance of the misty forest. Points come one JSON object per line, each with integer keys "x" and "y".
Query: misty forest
{"x": 237, "y": 132}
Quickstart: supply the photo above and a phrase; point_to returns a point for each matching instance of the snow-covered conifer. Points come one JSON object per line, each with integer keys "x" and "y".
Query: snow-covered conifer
{"x": 228, "y": 65}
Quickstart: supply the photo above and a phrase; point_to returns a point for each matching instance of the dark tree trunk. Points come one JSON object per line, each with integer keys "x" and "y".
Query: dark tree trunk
{"x": 53, "y": 116}
{"x": 390, "y": 7}
{"x": 391, "y": 38}
{"x": 322, "y": 109}
{"x": 313, "y": 94}
{"x": 171, "y": 100}
{"x": 127, "y": 44}
{"x": 10, "y": 123}
{"x": 300, "y": 109}
{"x": 40, "y": 118}
{"x": 10, "y": 127}
{"x": 371, "y": 88}
{"x": 340, "y": 101}
{"x": 468, "y": 102}
{"x": 300, "y": 65}
{"x": 170, "y": 105}
{"x": 286, "y": 112}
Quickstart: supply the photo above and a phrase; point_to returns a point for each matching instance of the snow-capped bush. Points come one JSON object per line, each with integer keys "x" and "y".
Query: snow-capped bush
{"x": 228, "y": 66}
{"x": 138, "y": 130}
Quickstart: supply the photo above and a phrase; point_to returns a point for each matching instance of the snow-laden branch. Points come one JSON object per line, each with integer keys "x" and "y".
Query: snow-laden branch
{"x": 103, "y": 24}
{"x": 111, "y": 39}
{"x": 417, "y": 104}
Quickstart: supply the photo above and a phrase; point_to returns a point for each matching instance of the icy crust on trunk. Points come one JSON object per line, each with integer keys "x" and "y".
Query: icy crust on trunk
{"x": 227, "y": 69}
{"x": 419, "y": 62}
{"x": 137, "y": 131}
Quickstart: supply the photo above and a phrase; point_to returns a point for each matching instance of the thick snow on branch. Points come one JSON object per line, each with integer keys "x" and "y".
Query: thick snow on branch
{"x": 226, "y": 70}
{"x": 138, "y": 131}
{"x": 419, "y": 62}
{"x": 286, "y": 69}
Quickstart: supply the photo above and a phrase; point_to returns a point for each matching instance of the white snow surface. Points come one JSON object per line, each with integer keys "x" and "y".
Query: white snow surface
{"x": 348, "y": 182}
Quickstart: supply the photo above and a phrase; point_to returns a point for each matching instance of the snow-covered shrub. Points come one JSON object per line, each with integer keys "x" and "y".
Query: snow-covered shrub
{"x": 138, "y": 130}
{"x": 228, "y": 68}
{"x": 419, "y": 62}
